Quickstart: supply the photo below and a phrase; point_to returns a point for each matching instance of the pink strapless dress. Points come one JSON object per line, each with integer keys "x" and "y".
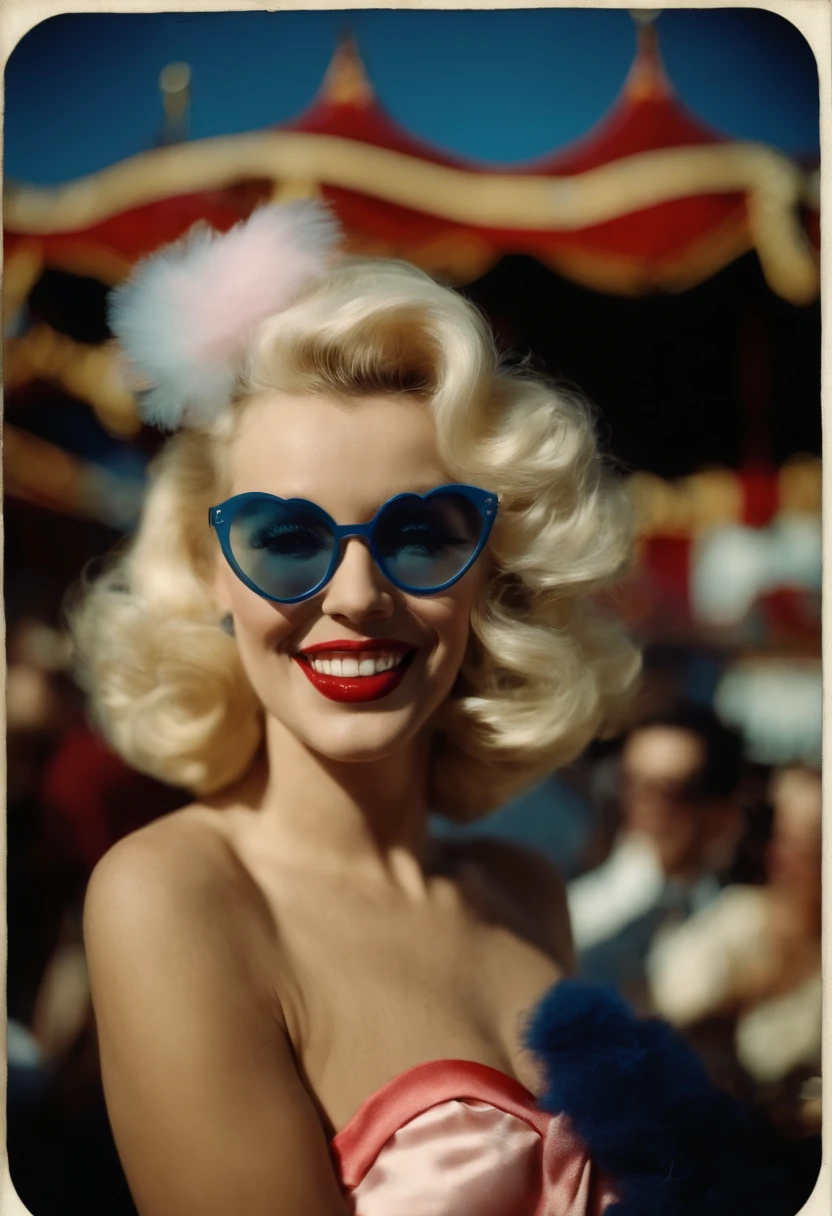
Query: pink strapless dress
{"x": 455, "y": 1138}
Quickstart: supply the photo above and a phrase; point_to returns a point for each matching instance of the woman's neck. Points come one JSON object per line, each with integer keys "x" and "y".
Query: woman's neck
{"x": 368, "y": 819}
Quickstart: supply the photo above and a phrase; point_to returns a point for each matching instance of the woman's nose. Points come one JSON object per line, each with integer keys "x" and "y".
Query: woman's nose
{"x": 357, "y": 590}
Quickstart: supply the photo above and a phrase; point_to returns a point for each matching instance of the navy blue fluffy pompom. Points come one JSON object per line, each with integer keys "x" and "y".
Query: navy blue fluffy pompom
{"x": 642, "y": 1102}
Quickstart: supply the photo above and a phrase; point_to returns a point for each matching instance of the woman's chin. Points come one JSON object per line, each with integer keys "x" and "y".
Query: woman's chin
{"x": 365, "y": 741}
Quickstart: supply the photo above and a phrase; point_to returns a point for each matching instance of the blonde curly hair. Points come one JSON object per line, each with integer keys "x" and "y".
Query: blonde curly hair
{"x": 544, "y": 671}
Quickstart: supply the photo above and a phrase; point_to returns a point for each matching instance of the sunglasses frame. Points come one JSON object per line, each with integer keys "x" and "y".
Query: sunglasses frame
{"x": 222, "y": 517}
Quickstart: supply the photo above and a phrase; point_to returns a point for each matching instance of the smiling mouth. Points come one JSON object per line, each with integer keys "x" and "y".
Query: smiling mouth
{"x": 355, "y": 676}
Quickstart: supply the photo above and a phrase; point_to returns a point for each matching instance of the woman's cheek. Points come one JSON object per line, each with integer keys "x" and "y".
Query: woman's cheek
{"x": 449, "y": 620}
{"x": 265, "y": 626}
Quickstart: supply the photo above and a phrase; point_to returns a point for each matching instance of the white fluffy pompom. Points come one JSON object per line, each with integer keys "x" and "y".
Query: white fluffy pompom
{"x": 185, "y": 316}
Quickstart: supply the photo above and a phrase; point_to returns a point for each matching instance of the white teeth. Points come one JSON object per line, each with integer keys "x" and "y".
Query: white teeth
{"x": 365, "y": 666}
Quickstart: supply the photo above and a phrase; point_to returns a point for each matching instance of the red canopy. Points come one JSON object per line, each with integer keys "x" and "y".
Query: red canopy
{"x": 650, "y": 199}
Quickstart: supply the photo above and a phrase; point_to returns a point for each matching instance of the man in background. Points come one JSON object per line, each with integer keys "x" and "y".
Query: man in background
{"x": 742, "y": 978}
{"x": 681, "y": 776}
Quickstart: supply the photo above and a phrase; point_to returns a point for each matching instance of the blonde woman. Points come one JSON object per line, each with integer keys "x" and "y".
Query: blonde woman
{"x": 358, "y": 593}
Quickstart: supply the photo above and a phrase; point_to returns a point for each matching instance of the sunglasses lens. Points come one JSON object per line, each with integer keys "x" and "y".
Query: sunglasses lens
{"x": 425, "y": 543}
{"x": 284, "y": 550}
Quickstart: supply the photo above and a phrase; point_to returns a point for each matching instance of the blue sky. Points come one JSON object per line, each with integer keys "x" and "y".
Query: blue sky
{"x": 503, "y": 86}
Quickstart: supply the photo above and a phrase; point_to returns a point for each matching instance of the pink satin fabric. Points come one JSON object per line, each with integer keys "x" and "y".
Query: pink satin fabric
{"x": 455, "y": 1138}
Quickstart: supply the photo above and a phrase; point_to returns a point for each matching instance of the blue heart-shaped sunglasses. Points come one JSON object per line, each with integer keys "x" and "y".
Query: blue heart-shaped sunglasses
{"x": 287, "y": 550}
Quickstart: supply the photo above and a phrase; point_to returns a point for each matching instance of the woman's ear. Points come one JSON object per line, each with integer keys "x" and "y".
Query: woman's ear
{"x": 219, "y": 585}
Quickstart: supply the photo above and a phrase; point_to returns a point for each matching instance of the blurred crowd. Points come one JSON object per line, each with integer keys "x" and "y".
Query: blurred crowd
{"x": 694, "y": 885}
{"x": 707, "y": 909}
{"x": 68, "y": 799}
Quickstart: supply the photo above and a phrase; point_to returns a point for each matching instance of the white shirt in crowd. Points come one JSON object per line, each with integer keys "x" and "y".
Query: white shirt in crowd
{"x": 626, "y": 887}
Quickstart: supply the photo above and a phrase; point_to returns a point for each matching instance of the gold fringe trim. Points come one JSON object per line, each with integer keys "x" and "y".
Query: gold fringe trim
{"x": 773, "y": 186}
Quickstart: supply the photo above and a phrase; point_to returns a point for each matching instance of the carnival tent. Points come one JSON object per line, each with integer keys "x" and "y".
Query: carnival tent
{"x": 650, "y": 199}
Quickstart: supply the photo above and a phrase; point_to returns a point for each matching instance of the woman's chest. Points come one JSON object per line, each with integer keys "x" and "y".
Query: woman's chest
{"x": 367, "y": 996}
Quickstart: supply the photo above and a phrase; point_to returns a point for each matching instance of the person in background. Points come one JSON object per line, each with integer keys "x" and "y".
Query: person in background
{"x": 680, "y": 789}
{"x": 554, "y": 817}
{"x": 39, "y": 704}
{"x": 69, "y": 799}
{"x": 751, "y": 962}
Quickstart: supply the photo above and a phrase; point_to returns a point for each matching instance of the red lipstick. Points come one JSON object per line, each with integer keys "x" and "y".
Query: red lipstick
{"x": 355, "y": 688}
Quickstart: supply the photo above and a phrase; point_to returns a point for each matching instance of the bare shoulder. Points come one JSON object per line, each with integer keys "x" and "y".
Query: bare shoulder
{"x": 531, "y": 882}
{"x": 175, "y": 885}
{"x": 209, "y": 1111}
{"x": 167, "y": 863}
